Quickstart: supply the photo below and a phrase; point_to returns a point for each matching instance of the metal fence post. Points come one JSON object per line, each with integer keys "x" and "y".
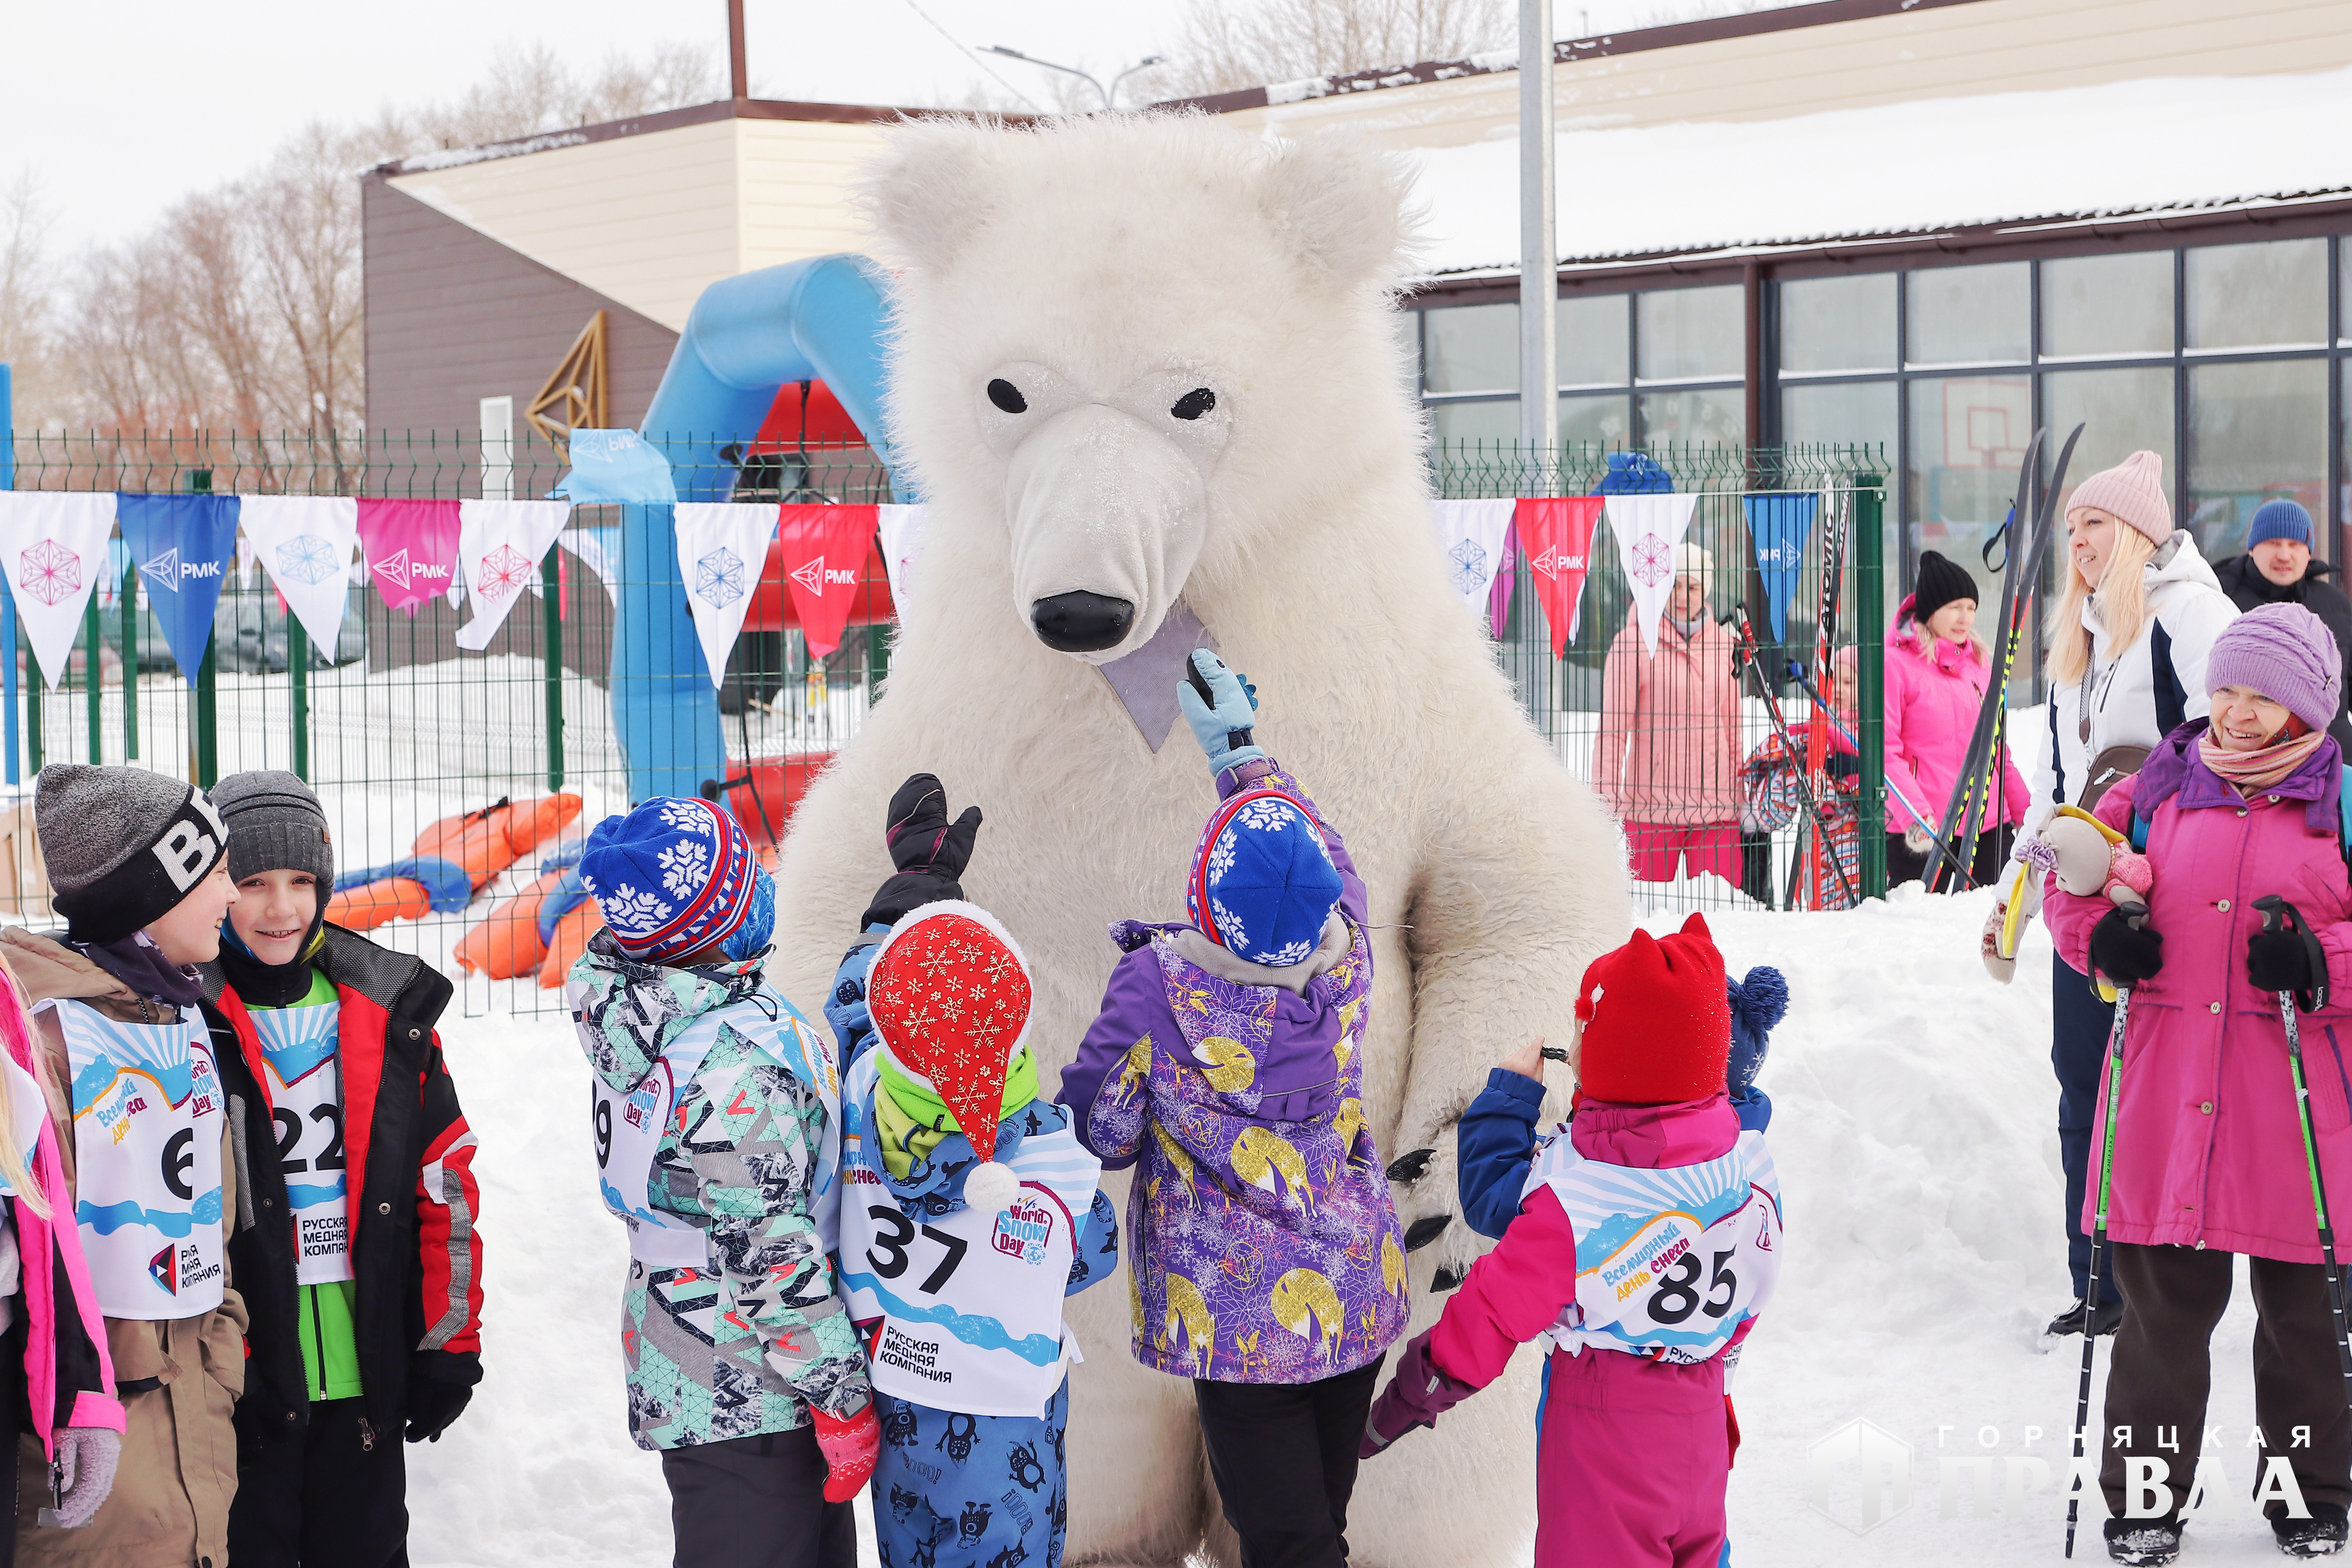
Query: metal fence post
{"x": 1870, "y": 638}
{"x": 207, "y": 732}
{"x": 550, "y": 577}
{"x": 8, "y": 595}
{"x": 297, "y": 690}
{"x": 93, "y": 672}
{"x": 131, "y": 662}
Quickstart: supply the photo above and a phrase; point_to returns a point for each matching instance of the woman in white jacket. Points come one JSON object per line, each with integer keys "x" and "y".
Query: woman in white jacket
{"x": 2128, "y": 638}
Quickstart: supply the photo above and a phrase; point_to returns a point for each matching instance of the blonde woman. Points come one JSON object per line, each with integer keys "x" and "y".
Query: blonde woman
{"x": 2128, "y": 638}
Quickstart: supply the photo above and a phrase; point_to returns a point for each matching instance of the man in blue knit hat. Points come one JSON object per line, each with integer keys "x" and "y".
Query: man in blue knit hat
{"x": 2278, "y": 568}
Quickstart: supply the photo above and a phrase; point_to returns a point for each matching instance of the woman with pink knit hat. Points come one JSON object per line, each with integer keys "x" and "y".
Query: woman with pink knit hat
{"x": 2136, "y": 618}
{"x": 2208, "y": 1155}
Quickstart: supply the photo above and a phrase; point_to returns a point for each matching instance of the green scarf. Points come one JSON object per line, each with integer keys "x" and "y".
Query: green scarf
{"x": 912, "y": 1120}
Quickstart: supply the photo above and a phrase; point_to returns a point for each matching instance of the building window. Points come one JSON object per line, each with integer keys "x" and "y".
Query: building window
{"x": 1839, "y": 414}
{"x": 1470, "y": 348}
{"x": 2257, "y": 432}
{"x": 2107, "y": 306}
{"x": 2121, "y": 412}
{"x": 2269, "y": 296}
{"x": 1595, "y": 340}
{"x": 1956, "y": 316}
{"x": 1966, "y": 437}
{"x": 1833, "y": 326}
{"x": 1692, "y": 334}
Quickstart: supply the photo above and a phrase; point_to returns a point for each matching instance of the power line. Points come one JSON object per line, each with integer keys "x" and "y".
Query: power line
{"x": 973, "y": 56}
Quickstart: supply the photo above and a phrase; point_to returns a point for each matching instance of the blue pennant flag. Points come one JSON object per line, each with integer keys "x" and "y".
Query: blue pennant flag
{"x": 185, "y": 548}
{"x": 617, "y": 465}
{"x": 1779, "y": 522}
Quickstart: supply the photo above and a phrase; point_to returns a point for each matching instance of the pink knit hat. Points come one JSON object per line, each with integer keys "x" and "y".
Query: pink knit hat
{"x": 2134, "y": 490}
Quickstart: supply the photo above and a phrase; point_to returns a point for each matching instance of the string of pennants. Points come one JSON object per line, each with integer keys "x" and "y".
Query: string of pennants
{"x": 54, "y": 553}
{"x": 1555, "y": 535}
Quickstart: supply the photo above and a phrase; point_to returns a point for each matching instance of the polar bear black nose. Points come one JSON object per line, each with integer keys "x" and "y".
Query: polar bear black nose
{"x": 1080, "y": 622}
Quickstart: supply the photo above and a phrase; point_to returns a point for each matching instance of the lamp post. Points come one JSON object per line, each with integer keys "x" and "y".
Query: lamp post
{"x": 1110, "y": 94}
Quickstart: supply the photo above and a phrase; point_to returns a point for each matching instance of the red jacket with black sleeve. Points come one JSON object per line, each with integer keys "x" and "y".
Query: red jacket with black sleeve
{"x": 416, "y": 1255}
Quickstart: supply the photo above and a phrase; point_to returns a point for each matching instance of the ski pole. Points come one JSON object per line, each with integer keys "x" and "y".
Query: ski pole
{"x": 1746, "y": 655}
{"x": 1813, "y": 693}
{"x": 2099, "y": 1235}
{"x": 2272, "y": 909}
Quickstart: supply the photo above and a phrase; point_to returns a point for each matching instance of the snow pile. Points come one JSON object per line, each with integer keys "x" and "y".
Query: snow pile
{"x": 2122, "y": 147}
{"x": 1914, "y": 1131}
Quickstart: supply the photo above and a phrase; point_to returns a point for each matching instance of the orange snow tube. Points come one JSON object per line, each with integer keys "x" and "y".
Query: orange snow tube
{"x": 486, "y": 842}
{"x": 394, "y": 899}
{"x": 506, "y": 944}
{"x": 571, "y": 934}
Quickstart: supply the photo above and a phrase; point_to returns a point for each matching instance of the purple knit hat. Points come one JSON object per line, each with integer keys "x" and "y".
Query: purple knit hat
{"x": 2285, "y": 652}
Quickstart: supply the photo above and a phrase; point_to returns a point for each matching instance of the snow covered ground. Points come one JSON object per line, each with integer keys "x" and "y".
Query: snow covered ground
{"x": 1914, "y": 1110}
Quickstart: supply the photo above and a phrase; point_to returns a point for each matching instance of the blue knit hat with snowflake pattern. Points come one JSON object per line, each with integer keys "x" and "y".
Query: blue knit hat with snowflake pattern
{"x": 1262, "y": 884}
{"x": 671, "y": 877}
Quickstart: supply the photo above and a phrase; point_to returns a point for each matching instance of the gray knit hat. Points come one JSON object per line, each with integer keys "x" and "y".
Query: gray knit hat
{"x": 123, "y": 846}
{"x": 275, "y": 823}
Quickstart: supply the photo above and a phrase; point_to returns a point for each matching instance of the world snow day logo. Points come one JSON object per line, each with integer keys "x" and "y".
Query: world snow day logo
{"x": 1861, "y": 1475}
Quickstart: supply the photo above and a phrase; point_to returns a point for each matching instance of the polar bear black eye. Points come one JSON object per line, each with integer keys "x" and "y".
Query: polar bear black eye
{"x": 1195, "y": 403}
{"x": 1007, "y": 397}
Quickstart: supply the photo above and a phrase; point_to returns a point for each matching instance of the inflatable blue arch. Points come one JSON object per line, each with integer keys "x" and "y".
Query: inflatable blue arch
{"x": 817, "y": 319}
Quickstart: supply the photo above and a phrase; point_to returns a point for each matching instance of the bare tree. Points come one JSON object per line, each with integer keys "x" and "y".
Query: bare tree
{"x": 25, "y": 284}
{"x": 1222, "y": 44}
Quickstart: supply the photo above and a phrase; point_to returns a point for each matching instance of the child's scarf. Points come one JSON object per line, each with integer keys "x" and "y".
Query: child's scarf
{"x": 2251, "y": 773}
{"x": 912, "y": 1120}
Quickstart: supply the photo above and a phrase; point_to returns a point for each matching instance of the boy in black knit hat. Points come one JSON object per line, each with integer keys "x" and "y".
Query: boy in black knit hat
{"x": 363, "y": 1325}
{"x": 126, "y": 1065}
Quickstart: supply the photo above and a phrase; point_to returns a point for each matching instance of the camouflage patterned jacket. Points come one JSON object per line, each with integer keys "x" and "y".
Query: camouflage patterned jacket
{"x": 1262, "y": 1243}
{"x": 735, "y": 1349}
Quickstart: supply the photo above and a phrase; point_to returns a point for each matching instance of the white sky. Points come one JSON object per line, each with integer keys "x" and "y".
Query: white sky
{"x": 118, "y": 118}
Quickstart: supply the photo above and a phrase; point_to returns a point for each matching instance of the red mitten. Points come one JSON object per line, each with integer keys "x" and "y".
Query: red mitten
{"x": 850, "y": 1448}
{"x": 1731, "y": 1429}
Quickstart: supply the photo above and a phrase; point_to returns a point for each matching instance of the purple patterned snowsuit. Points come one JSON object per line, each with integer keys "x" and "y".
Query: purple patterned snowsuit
{"x": 1264, "y": 1247}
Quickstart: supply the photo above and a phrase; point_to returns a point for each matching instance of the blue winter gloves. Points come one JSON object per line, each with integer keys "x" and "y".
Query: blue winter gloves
{"x": 1222, "y": 723}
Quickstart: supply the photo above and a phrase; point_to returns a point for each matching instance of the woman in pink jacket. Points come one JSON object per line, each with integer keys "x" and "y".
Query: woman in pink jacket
{"x": 1937, "y": 673}
{"x": 1667, "y": 757}
{"x": 2208, "y": 1156}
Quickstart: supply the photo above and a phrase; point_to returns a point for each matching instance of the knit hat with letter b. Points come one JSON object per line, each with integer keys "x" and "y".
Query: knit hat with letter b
{"x": 671, "y": 877}
{"x": 123, "y": 846}
{"x": 1657, "y": 1021}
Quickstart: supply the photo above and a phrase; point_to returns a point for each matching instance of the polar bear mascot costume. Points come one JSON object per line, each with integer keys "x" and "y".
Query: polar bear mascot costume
{"x": 1108, "y": 270}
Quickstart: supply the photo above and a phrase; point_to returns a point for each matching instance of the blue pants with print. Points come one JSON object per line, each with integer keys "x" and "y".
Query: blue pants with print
{"x": 970, "y": 1492}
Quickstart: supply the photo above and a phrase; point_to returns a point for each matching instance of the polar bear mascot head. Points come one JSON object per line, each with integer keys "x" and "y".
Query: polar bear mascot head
{"x": 1140, "y": 360}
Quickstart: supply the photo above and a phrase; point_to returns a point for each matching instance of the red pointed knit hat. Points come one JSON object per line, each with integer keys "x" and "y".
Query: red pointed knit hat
{"x": 949, "y": 992}
{"x": 1657, "y": 1025}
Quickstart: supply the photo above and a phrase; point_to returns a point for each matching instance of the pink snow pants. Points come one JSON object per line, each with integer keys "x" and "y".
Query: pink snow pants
{"x": 1631, "y": 1464}
{"x": 1656, "y": 849}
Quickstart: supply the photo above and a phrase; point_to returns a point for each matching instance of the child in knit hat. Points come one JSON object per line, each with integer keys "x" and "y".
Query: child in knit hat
{"x": 1225, "y": 1065}
{"x": 1657, "y": 1220}
{"x": 2208, "y": 1147}
{"x": 716, "y": 1126}
{"x": 328, "y": 1049}
{"x": 971, "y": 1212}
{"x": 139, "y": 863}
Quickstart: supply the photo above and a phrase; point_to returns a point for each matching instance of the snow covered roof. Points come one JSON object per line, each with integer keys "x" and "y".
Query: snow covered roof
{"x": 2133, "y": 148}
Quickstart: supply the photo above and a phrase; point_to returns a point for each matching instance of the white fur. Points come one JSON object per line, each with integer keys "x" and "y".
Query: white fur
{"x": 1111, "y": 252}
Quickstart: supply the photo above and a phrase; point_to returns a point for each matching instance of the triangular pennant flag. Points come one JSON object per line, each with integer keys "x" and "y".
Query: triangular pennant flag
{"x": 900, "y": 531}
{"x": 52, "y": 546}
{"x": 722, "y": 547}
{"x": 1498, "y": 597}
{"x": 499, "y": 543}
{"x": 1648, "y": 528}
{"x": 824, "y": 551}
{"x": 1557, "y": 535}
{"x": 617, "y": 465}
{"x": 1470, "y": 533}
{"x": 305, "y": 543}
{"x": 184, "y": 547}
{"x": 411, "y": 548}
{"x": 1779, "y": 522}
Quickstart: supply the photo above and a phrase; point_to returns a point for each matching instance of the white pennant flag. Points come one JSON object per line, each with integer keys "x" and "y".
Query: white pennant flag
{"x": 499, "y": 544}
{"x": 1648, "y": 528}
{"x": 1471, "y": 534}
{"x": 900, "y": 529}
{"x": 305, "y": 543}
{"x": 53, "y": 546}
{"x": 722, "y": 547}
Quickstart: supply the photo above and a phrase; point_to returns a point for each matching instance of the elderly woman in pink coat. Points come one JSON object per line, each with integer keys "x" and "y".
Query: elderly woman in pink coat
{"x": 2209, "y": 1158}
{"x": 1937, "y": 671}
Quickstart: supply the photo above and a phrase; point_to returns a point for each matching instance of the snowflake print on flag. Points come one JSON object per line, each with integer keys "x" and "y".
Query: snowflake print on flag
{"x": 1469, "y": 558}
{"x": 504, "y": 570}
{"x": 49, "y": 572}
{"x": 718, "y": 577}
{"x": 307, "y": 558}
{"x": 1653, "y": 560}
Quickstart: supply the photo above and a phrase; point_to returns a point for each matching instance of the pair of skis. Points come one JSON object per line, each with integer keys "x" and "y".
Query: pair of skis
{"x": 1970, "y": 810}
{"x": 1812, "y": 782}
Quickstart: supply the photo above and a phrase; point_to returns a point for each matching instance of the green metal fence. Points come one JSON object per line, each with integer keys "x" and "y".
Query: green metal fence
{"x": 398, "y": 729}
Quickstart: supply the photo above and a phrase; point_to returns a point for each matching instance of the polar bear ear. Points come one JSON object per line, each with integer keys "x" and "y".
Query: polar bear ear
{"x": 1341, "y": 200}
{"x": 928, "y": 194}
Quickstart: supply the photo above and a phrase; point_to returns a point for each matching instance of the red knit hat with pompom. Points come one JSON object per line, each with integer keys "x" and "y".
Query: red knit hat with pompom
{"x": 1658, "y": 1026}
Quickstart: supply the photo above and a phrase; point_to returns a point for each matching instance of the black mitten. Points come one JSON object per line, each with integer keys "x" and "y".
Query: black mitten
{"x": 2281, "y": 961}
{"x": 2123, "y": 952}
{"x": 929, "y": 851}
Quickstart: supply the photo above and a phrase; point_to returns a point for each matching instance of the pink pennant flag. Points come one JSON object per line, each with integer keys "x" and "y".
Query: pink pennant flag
{"x": 411, "y": 548}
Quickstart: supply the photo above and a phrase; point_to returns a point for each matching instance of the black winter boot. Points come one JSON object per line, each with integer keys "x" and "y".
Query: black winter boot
{"x": 2147, "y": 1542}
{"x": 2321, "y": 1535}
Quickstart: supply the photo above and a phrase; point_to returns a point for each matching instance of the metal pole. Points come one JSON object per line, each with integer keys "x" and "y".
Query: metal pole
{"x": 131, "y": 662}
{"x": 1539, "y": 247}
{"x": 737, "y": 66}
{"x": 94, "y": 678}
{"x": 551, "y": 606}
{"x": 1870, "y": 647}
{"x": 7, "y": 597}
{"x": 298, "y": 688}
